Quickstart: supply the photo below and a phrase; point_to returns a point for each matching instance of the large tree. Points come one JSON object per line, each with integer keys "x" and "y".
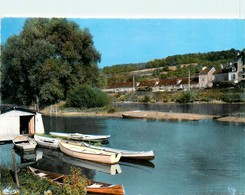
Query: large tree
{"x": 48, "y": 58}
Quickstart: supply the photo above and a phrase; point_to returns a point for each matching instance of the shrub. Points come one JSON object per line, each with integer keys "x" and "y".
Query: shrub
{"x": 85, "y": 96}
{"x": 185, "y": 97}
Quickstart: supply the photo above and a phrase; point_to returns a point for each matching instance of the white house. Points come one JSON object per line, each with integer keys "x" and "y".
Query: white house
{"x": 120, "y": 87}
{"x": 16, "y": 120}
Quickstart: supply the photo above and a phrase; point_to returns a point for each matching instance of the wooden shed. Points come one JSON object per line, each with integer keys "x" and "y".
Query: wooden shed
{"x": 16, "y": 120}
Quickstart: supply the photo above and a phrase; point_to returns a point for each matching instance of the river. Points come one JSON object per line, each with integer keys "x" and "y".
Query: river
{"x": 208, "y": 109}
{"x": 193, "y": 157}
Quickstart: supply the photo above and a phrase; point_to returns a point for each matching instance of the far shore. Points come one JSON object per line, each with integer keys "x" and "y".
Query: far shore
{"x": 153, "y": 115}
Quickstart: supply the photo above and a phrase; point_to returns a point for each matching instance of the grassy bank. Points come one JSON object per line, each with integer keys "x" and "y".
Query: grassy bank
{"x": 32, "y": 184}
{"x": 198, "y": 95}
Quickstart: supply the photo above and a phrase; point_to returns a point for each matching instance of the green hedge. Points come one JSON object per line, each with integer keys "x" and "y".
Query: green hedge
{"x": 85, "y": 96}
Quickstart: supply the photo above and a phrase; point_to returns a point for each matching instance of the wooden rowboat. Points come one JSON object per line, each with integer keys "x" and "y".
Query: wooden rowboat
{"x": 93, "y": 186}
{"x": 47, "y": 142}
{"x": 24, "y": 143}
{"x": 80, "y": 150}
{"x": 134, "y": 116}
{"x": 141, "y": 155}
{"x": 82, "y": 137}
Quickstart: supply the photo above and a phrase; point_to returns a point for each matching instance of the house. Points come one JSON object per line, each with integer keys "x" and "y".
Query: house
{"x": 176, "y": 84}
{"x": 16, "y": 120}
{"x": 147, "y": 85}
{"x": 237, "y": 72}
{"x": 120, "y": 87}
{"x": 220, "y": 75}
{"x": 206, "y": 77}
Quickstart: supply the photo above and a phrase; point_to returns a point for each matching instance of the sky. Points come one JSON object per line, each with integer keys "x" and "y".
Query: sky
{"x": 122, "y": 41}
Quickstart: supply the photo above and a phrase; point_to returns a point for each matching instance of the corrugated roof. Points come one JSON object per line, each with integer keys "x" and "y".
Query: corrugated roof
{"x": 5, "y": 108}
{"x": 120, "y": 85}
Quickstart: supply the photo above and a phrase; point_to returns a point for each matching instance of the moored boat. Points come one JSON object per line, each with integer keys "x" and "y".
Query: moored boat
{"x": 93, "y": 186}
{"x": 134, "y": 116}
{"x": 80, "y": 150}
{"x": 141, "y": 155}
{"x": 82, "y": 137}
{"x": 47, "y": 142}
{"x": 24, "y": 143}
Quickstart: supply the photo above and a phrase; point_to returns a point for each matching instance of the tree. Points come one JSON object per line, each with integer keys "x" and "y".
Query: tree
{"x": 47, "y": 58}
{"x": 86, "y": 97}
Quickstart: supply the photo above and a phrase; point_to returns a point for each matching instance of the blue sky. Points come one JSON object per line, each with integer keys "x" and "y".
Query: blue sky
{"x": 139, "y": 40}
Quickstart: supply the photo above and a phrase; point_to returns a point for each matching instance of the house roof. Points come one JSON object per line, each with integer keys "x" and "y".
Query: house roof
{"x": 6, "y": 108}
{"x": 149, "y": 83}
{"x": 178, "y": 81}
{"x": 205, "y": 71}
{"x": 120, "y": 85}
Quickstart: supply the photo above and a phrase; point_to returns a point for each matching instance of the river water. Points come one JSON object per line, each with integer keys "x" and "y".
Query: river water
{"x": 193, "y": 157}
{"x": 208, "y": 109}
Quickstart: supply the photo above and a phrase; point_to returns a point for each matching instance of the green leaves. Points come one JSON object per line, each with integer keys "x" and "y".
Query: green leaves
{"x": 48, "y": 57}
{"x": 86, "y": 97}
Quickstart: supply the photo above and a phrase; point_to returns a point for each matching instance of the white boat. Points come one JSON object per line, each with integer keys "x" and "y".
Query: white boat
{"x": 47, "y": 142}
{"x": 134, "y": 116}
{"x": 79, "y": 150}
{"x": 141, "y": 155}
{"x": 24, "y": 143}
{"x": 82, "y": 137}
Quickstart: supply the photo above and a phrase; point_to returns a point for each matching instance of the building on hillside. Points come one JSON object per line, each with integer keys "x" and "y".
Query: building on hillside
{"x": 16, "y": 120}
{"x": 147, "y": 85}
{"x": 206, "y": 77}
{"x": 177, "y": 84}
{"x": 220, "y": 75}
{"x": 121, "y": 87}
{"x": 237, "y": 72}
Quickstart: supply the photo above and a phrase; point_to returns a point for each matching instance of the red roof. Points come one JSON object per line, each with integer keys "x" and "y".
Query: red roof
{"x": 120, "y": 85}
{"x": 149, "y": 83}
{"x": 205, "y": 71}
{"x": 178, "y": 81}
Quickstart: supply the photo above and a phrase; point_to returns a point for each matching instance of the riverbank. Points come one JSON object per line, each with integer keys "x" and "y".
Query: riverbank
{"x": 151, "y": 115}
{"x": 115, "y": 112}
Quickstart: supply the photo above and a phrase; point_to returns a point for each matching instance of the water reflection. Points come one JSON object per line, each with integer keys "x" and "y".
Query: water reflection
{"x": 210, "y": 109}
{"x": 55, "y": 155}
{"x": 22, "y": 159}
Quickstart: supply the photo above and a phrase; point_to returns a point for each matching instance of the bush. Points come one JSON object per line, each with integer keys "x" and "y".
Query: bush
{"x": 85, "y": 96}
{"x": 185, "y": 97}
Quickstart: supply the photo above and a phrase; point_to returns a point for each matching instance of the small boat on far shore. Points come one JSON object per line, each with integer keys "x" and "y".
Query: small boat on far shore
{"x": 80, "y": 150}
{"x": 47, "y": 142}
{"x": 24, "y": 143}
{"x": 134, "y": 116}
{"x": 81, "y": 137}
{"x": 93, "y": 186}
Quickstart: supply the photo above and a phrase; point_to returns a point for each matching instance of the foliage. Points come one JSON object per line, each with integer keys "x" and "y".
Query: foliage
{"x": 203, "y": 59}
{"x": 112, "y": 109}
{"x": 84, "y": 96}
{"x": 185, "y": 97}
{"x": 146, "y": 99}
{"x": 47, "y": 58}
{"x": 32, "y": 184}
{"x": 224, "y": 84}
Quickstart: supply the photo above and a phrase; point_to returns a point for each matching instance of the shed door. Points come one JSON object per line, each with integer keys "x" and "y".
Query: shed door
{"x": 26, "y": 124}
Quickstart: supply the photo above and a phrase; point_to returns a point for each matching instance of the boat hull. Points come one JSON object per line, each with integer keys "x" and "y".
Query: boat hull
{"x": 24, "y": 143}
{"x": 47, "y": 142}
{"x": 82, "y": 137}
{"x": 93, "y": 186}
{"x": 82, "y": 152}
{"x": 129, "y": 116}
{"x": 142, "y": 155}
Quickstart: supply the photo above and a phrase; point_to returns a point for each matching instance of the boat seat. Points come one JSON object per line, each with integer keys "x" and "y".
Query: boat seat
{"x": 95, "y": 185}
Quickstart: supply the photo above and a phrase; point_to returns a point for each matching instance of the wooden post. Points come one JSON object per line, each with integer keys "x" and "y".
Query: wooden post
{"x": 15, "y": 169}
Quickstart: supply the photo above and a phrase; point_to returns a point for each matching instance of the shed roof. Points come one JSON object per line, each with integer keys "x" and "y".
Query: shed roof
{"x": 6, "y": 108}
